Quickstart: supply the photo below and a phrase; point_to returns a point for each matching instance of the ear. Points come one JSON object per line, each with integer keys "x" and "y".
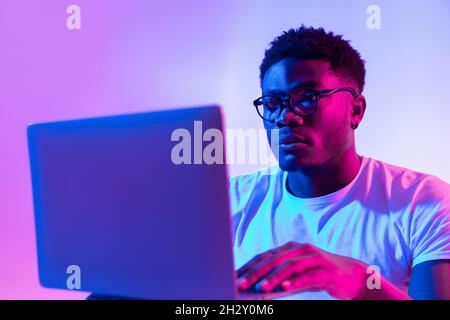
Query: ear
{"x": 358, "y": 109}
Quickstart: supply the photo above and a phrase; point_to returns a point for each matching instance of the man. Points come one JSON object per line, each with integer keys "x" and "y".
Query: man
{"x": 323, "y": 221}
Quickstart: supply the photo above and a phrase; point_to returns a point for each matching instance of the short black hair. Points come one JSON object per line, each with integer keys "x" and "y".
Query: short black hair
{"x": 308, "y": 43}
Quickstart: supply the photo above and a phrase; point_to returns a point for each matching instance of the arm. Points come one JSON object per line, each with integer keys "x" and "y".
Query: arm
{"x": 431, "y": 280}
{"x": 295, "y": 267}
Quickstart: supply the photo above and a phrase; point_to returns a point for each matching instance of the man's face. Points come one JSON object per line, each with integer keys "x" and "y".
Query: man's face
{"x": 327, "y": 133}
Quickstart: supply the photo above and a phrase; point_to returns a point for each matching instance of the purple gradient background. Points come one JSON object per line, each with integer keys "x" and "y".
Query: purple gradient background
{"x": 133, "y": 56}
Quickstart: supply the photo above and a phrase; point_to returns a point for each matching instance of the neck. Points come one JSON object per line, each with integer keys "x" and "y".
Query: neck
{"x": 326, "y": 179}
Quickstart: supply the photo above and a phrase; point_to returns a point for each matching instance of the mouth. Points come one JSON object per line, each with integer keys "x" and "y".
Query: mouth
{"x": 292, "y": 142}
{"x": 292, "y": 145}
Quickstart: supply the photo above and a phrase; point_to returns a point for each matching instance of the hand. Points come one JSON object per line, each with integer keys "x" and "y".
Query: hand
{"x": 297, "y": 267}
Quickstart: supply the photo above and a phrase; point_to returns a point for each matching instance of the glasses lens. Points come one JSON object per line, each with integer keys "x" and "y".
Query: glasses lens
{"x": 269, "y": 107}
{"x": 304, "y": 103}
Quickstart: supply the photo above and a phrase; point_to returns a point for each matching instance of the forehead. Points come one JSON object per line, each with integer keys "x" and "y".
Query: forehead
{"x": 288, "y": 74}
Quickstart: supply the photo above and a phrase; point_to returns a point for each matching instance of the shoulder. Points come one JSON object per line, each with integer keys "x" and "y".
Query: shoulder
{"x": 246, "y": 182}
{"x": 420, "y": 202}
{"x": 252, "y": 185}
{"x": 410, "y": 185}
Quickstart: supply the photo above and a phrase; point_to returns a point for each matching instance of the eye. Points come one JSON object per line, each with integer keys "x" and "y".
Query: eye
{"x": 308, "y": 96}
{"x": 304, "y": 99}
{"x": 307, "y": 99}
{"x": 271, "y": 102}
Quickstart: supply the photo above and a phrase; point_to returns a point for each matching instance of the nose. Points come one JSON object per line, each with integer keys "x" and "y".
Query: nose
{"x": 288, "y": 118}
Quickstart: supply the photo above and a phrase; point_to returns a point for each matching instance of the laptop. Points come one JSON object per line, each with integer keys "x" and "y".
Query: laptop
{"x": 133, "y": 206}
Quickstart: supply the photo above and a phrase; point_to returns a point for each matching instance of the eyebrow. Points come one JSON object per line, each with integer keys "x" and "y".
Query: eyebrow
{"x": 304, "y": 85}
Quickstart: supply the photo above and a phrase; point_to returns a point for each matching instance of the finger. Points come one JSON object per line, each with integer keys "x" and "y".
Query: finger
{"x": 312, "y": 280}
{"x": 266, "y": 266}
{"x": 254, "y": 261}
{"x": 303, "y": 250}
{"x": 263, "y": 256}
{"x": 259, "y": 270}
{"x": 307, "y": 248}
{"x": 290, "y": 268}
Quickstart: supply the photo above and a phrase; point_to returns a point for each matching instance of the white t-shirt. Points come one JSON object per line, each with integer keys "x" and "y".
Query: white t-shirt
{"x": 388, "y": 216}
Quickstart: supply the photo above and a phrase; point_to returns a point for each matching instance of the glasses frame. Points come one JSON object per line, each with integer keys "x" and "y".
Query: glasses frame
{"x": 288, "y": 101}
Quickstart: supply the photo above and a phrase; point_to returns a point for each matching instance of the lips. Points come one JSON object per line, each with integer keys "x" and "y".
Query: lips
{"x": 288, "y": 140}
{"x": 291, "y": 139}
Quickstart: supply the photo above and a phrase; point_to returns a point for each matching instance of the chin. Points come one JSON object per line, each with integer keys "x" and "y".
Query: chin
{"x": 293, "y": 162}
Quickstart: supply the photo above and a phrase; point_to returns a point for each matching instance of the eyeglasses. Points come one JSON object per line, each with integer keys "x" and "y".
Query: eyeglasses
{"x": 302, "y": 103}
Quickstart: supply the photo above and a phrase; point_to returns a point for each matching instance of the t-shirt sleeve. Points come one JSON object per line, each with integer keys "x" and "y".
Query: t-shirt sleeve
{"x": 246, "y": 191}
{"x": 430, "y": 228}
{"x": 236, "y": 204}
